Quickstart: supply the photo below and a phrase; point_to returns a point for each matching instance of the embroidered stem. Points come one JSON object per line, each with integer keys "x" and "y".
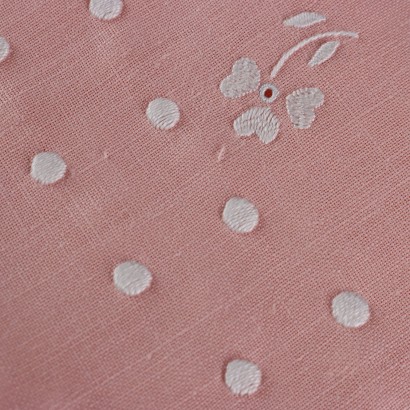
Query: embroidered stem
{"x": 285, "y": 57}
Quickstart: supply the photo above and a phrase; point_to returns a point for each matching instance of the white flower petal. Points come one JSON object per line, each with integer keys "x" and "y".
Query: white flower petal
{"x": 301, "y": 105}
{"x": 244, "y": 79}
{"x": 260, "y": 121}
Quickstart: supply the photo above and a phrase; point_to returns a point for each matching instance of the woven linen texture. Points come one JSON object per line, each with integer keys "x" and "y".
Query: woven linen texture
{"x": 333, "y": 204}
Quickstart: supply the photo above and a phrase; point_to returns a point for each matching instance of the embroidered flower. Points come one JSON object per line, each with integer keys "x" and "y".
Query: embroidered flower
{"x": 301, "y": 104}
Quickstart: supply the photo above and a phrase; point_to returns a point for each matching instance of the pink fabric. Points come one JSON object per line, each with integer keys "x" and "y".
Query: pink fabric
{"x": 333, "y": 203}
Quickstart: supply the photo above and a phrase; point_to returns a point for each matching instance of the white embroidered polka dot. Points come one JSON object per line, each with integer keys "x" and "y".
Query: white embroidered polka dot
{"x": 132, "y": 278}
{"x": 47, "y": 168}
{"x": 163, "y": 113}
{"x": 242, "y": 377}
{"x": 105, "y": 9}
{"x": 4, "y": 49}
{"x": 240, "y": 215}
{"x": 350, "y": 309}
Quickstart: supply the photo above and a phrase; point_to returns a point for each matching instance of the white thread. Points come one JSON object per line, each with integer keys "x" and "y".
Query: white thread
{"x": 350, "y": 309}
{"x": 105, "y": 9}
{"x": 324, "y": 52}
{"x": 305, "y": 19}
{"x": 301, "y": 105}
{"x": 258, "y": 120}
{"x": 163, "y": 113}
{"x": 242, "y": 377}
{"x": 244, "y": 79}
{"x": 221, "y": 154}
{"x": 268, "y": 88}
{"x": 47, "y": 168}
{"x": 240, "y": 215}
{"x": 285, "y": 57}
{"x": 4, "y": 49}
{"x": 132, "y": 278}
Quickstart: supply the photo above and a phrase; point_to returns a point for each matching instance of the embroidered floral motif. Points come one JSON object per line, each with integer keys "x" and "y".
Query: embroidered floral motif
{"x": 268, "y": 93}
{"x": 304, "y": 19}
{"x": 259, "y": 121}
{"x": 300, "y": 104}
{"x": 244, "y": 79}
{"x": 324, "y": 52}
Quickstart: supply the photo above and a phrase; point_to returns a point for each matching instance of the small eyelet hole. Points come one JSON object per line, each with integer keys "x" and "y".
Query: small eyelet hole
{"x": 268, "y": 93}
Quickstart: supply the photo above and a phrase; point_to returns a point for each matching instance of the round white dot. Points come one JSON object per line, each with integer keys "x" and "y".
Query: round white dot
{"x": 240, "y": 215}
{"x": 132, "y": 278}
{"x": 105, "y": 9}
{"x": 163, "y": 113}
{"x": 242, "y": 377}
{"x": 4, "y": 49}
{"x": 350, "y": 309}
{"x": 47, "y": 168}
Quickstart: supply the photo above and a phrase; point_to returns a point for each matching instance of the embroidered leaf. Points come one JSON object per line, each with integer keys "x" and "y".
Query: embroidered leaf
{"x": 324, "y": 52}
{"x": 285, "y": 56}
{"x": 305, "y": 19}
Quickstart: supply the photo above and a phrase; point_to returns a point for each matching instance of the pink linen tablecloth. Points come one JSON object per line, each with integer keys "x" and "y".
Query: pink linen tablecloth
{"x": 317, "y": 156}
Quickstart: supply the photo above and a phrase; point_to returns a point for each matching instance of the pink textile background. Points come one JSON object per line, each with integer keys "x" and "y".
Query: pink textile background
{"x": 333, "y": 203}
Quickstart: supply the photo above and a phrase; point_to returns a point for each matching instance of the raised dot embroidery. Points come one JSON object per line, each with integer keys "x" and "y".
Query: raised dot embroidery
{"x": 163, "y": 113}
{"x": 240, "y": 215}
{"x": 242, "y": 377}
{"x": 132, "y": 278}
{"x": 47, "y": 168}
{"x": 105, "y": 9}
{"x": 350, "y": 309}
{"x": 4, "y": 49}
